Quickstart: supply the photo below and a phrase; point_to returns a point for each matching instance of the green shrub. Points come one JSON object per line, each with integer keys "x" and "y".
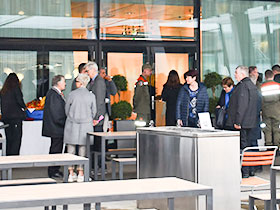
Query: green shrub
{"x": 121, "y": 110}
{"x": 120, "y": 82}
{"x": 211, "y": 80}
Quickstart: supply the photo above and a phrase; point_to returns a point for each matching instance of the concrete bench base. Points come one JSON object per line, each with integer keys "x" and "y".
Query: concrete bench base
{"x": 121, "y": 162}
{"x": 17, "y": 182}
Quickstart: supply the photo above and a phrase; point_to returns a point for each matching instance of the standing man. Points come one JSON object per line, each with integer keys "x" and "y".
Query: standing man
{"x": 242, "y": 111}
{"x": 270, "y": 109}
{"x": 111, "y": 89}
{"x": 54, "y": 120}
{"x": 81, "y": 71}
{"x": 142, "y": 97}
{"x": 276, "y": 72}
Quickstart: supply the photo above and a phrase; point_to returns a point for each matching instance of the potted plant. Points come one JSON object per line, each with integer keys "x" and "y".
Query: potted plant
{"x": 212, "y": 80}
{"x": 121, "y": 84}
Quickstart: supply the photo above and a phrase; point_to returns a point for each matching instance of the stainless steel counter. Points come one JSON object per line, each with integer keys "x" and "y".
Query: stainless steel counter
{"x": 209, "y": 157}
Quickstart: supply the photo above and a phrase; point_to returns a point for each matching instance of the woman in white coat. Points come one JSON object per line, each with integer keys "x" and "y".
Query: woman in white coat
{"x": 80, "y": 110}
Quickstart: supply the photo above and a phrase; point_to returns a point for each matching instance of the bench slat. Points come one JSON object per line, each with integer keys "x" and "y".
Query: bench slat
{"x": 15, "y": 182}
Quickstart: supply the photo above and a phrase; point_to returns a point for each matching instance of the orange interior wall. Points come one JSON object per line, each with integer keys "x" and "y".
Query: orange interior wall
{"x": 128, "y": 65}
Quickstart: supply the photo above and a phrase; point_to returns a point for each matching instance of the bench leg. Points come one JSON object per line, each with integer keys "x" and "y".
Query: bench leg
{"x": 65, "y": 207}
{"x": 113, "y": 169}
{"x": 4, "y": 174}
{"x": 10, "y": 174}
{"x": 95, "y": 166}
{"x": 97, "y": 206}
{"x": 46, "y": 208}
{"x": 87, "y": 206}
{"x": 267, "y": 205}
{"x": 170, "y": 203}
{"x": 251, "y": 203}
{"x": 121, "y": 171}
{"x": 65, "y": 174}
{"x": 53, "y": 207}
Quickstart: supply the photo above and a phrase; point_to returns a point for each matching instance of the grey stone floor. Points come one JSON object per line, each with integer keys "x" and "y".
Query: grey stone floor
{"x": 130, "y": 172}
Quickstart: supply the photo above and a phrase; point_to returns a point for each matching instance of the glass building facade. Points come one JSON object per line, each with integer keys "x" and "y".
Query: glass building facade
{"x": 42, "y": 38}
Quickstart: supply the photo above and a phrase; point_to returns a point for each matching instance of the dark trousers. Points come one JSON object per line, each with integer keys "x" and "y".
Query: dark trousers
{"x": 56, "y": 147}
{"x": 245, "y": 141}
{"x": 13, "y": 135}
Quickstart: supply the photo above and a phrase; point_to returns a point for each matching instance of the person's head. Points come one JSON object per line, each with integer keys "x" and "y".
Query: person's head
{"x": 10, "y": 83}
{"x": 82, "y": 80}
{"x": 173, "y": 79}
{"x": 81, "y": 68}
{"x": 59, "y": 82}
{"x": 102, "y": 72}
{"x": 91, "y": 68}
{"x": 276, "y": 69}
{"x": 227, "y": 84}
{"x": 147, "y": 70}
{"x": 241, "y": 72}
{"x": 268, "y": 74}
{"x": 191, "y": 76}
{"x": 253, "y": 72}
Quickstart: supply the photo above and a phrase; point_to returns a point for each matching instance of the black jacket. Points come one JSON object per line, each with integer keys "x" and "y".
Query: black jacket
{"x": 12, "y": 105}
{"x": 170, "y": 94}
{"x": 243, "y": 105}
{"x": 277, "y": 78}
{"x": 54, "y": 115}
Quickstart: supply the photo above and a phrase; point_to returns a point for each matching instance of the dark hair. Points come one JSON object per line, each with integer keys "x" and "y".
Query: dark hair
{"x": 268, "y": 74}
{"x": 10, "y": 83}
{"x": 146, "y": 66}
{"x": 251, "y": 69}
{"x": 227, "y": 81}
{"x": 81, "y": 67}
{"x": 173, "y": 79}
{"x": 192, "y": 73}
{"x": 56, "y": 79}
{"x": 276, "y": 67}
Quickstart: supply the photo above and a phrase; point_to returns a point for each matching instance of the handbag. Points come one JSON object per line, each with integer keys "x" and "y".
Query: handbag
{"x": 220, "y": 117}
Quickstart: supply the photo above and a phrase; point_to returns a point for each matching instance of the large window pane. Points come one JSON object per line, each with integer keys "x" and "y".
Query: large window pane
{"x": 65, "y": 19}
{"x": 24, "y": 64}
{"x": 239, "y": 33}
{"x": 147, "y": 19}
{"x": 66, "y": 64}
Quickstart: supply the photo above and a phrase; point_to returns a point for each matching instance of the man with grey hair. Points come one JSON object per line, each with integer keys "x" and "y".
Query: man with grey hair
{"x": 54, "y": 120}
{"x": 242, "y": 110}
{"x": 97, "y": 86}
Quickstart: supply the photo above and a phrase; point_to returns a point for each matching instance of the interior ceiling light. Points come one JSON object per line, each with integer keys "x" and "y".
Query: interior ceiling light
{"x": 21, "y": 12}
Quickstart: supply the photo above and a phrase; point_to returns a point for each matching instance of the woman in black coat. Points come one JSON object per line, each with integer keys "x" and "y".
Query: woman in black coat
{"x": 13, "y": 113}
{"x": 169, "y": 94}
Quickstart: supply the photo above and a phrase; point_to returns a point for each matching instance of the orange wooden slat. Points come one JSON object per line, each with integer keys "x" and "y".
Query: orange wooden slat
{"x": 253, "y": 158}
{"x": 258, "y": 153}
{"x": 257, "y": 163}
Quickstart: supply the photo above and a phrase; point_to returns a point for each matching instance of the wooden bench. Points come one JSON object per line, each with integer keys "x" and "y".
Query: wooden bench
{"x": 17, "y": 182}
{"x": 100, "y": 191}
{"x": 121, "y": 162}
{"x": 263, "y": 197}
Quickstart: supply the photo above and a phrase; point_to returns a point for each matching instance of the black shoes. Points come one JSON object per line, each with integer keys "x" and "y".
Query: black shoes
{"x": 56, "y": 175}
{"x": 245, "y": 176}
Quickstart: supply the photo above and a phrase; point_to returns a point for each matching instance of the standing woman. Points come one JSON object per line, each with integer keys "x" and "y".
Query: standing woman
{"x": 192, "y": 99}
{"x": 80, "y": 110}
{"x": 13, "y": 112}
{"x": 169, "y": 94}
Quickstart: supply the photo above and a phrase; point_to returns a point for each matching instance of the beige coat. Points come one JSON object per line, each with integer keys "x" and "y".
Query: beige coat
{"x": 80, "y": 110}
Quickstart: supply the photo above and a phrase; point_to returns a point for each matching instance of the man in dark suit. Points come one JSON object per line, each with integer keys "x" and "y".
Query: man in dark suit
{"x": 54, "y": 120}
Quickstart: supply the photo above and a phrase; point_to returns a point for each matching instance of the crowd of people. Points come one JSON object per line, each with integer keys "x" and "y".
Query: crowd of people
{"x": 87, "y": 108}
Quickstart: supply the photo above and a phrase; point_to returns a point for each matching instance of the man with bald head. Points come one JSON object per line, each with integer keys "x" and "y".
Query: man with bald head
{"x": 242, "y": 110}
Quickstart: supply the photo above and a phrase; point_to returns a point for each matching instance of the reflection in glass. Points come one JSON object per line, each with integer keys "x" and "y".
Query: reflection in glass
{"x": 67, "y": 19}
{"x": 239, "y": 33}
{"x": 153, "y": 20}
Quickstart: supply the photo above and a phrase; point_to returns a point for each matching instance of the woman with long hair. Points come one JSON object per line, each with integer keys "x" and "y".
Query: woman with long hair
{"x": 13, "y": 113}
{"x": 169, "y": 95}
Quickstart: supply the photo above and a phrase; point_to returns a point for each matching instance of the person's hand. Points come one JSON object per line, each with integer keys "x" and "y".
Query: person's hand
{"x": 238, "y": 127}
{"x": 218, "y": 107}
{"x": 95, "y": 122}
{"x": 108, "y": 78}
{"x": 179, "y": 123}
